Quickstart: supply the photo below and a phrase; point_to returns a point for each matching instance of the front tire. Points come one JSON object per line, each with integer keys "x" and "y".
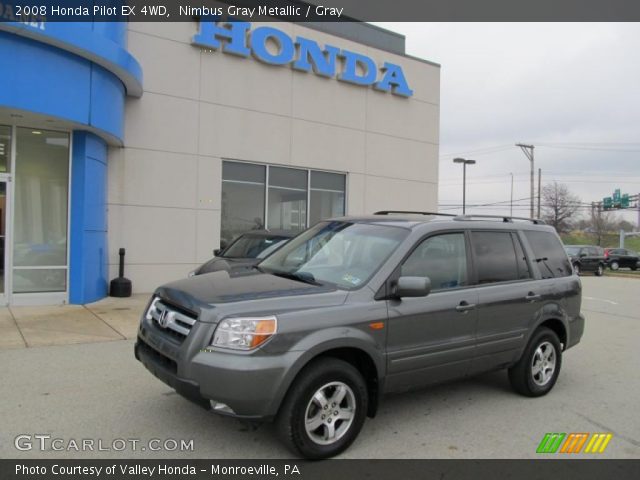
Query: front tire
{"x": 324, "y": 410}
{"x": 614, "y": 266}
{"x": 599, "y": 271}
{"x": 536, "y": 372}
{"x": 576, "y": 268}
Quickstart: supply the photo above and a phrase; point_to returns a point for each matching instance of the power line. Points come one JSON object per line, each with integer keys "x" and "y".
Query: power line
{"x": 597, "y": 149}
{"x": 479, "y": 151}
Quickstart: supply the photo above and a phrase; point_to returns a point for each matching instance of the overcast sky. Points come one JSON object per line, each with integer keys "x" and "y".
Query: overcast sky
{"x": 572, "y": 90}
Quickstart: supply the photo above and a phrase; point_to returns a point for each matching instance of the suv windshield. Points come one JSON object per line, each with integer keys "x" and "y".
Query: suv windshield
{"x": 573, "y": 251}
{"x": 342, "y": 253}
{"x": 251, "y": 246}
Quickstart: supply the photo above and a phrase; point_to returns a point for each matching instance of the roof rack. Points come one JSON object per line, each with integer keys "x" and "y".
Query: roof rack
{"x": 504, "y": 218}
{"x": 410, "y": 212}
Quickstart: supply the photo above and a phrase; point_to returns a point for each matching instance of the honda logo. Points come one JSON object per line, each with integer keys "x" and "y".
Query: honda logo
{"x": 164, "y": 319}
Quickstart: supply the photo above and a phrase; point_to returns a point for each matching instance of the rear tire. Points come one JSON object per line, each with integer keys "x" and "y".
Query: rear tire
{"x": 536, "y": 372}
{"x": 614, "y": 266}
{"x": 324, "y": 409}
{"x": 599, "y": 271}
{"x": 576, "y": 269}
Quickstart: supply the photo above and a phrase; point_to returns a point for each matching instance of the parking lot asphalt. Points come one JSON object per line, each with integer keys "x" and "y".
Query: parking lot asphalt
{"x": 98, "y": 391}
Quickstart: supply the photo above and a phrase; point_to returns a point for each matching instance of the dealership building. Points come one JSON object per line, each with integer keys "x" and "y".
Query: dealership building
{"x": 167, "y": 139}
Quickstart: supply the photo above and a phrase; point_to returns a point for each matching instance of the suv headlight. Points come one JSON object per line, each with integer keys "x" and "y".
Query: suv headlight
{"x": 244, "y": 333}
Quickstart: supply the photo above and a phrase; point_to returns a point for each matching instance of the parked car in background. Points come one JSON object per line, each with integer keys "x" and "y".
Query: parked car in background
{"x": 621, "y": 258}
{"x": 586, "y": 258}
{"x": 245, "y": 251}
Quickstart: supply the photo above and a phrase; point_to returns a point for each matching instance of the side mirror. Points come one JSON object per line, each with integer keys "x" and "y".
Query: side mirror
{"x": 412, "y": 287}
{"x": 216, "y": 252}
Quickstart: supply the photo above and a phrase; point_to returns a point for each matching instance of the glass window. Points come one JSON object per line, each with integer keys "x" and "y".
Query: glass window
{"x": 340, "y": 253}
{"x": 574, "y": 251}
{"x": 287, "y": 200}
{"x": 243, "y": 187}
{"x": 5, "y": 148}
{"x": 245, "y": 208}
{"x": 41, "y": 203}
{"x": 523, "y": 266}
{"x": 327, "y": 196}
{"x": 495, "y": 257}
{"x": 442, "y": 258}
{"x": 549, "y": 254}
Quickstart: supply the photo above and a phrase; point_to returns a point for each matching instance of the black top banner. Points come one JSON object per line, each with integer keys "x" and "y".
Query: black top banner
{"x": 321, "y": 10}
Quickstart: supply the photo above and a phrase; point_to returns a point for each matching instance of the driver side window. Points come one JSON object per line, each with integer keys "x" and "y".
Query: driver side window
{"x": 442, "y": 258}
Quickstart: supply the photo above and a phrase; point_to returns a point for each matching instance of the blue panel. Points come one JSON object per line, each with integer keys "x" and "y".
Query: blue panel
{"x": 88, "y": 270}
{"x": 107, "y": 102}
{"x": 43, "y": 79}
{"x": 59, "y": 84}
{"x": 101, "y": 42}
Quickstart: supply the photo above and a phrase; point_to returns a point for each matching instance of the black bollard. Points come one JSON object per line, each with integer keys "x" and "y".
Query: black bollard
{"x": 120, "y": 287}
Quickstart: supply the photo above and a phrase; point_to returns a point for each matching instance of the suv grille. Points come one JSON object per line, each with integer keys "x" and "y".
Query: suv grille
{"x": 168, "y": 319}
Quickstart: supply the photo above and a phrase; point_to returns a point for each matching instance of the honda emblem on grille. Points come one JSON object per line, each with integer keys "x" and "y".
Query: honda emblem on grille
{"x": 163, "y": 320}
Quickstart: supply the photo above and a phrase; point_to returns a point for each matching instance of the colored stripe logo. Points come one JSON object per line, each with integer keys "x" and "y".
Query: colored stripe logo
{"x": 574, "y": 443}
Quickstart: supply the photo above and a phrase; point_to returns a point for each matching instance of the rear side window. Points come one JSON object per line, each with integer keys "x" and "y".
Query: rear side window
{"x": 495, "y": 257}
{"x": 548, "y": 254}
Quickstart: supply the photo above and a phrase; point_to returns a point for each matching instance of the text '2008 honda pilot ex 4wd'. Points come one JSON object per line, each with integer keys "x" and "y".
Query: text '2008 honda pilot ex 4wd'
{"x": 357, "y": 307}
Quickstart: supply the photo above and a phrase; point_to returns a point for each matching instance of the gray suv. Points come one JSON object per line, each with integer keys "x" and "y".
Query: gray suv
{"x": 357, "y": 307}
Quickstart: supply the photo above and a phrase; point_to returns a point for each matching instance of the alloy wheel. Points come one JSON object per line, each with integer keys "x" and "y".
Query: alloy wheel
{"x": 330, "y": 413}
{"x": 543, "y": 363}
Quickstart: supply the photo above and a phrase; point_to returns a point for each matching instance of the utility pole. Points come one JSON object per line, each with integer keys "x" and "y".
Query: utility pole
{"x": 528, "y": 151}
{"x": 539, "y": 189}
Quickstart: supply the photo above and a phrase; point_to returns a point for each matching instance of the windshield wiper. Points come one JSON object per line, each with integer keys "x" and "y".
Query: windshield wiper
{"x": 305, "y": 277}
{"x": 543, "y": 260}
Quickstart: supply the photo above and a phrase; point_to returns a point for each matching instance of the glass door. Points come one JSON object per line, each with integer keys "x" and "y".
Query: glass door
{"x": 5, "y": 167}
{"x": 3, "y": 240}
{"x": 40, "y": 213}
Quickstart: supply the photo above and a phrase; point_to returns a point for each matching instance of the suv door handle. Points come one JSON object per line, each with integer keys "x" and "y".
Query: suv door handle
{"x": 532, "y": 297}
{"x": 464, "y": 307}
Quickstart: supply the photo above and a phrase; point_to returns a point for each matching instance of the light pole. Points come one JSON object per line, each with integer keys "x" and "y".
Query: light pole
{"x": 464, "y": 163}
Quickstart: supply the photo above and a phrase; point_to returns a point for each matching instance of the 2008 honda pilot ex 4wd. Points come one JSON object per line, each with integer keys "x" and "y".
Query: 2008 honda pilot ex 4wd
{"x": 354, "y": 308}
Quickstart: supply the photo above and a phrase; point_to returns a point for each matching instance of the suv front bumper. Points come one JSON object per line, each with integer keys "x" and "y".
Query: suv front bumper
{"x": 251, "y": 388}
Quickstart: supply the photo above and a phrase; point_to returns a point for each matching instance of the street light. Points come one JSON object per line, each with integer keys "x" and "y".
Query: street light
{"x": 464, "y": 163}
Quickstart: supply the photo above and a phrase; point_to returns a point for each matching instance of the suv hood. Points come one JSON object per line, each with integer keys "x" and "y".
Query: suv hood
{"x": 259, "y": 291}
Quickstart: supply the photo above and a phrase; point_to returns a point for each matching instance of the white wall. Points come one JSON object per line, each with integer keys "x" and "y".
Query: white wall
{"x": 200, "y": 106}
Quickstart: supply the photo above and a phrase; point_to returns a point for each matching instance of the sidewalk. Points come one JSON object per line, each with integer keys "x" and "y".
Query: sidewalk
{"x": 106, "y": 320}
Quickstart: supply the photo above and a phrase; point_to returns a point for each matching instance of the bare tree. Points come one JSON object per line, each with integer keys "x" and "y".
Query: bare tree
{"x": 602, "y": 223}
{"x": 559, "y": 206}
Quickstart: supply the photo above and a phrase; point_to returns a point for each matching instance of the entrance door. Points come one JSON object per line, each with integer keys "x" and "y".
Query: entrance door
{"x": 3, "y": 241}
{"x": 39, "y": 234}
